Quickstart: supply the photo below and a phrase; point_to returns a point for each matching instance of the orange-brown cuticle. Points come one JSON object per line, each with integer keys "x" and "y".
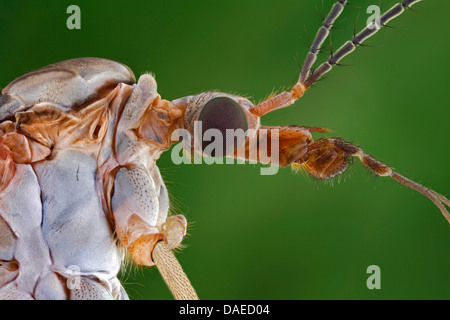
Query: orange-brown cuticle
{"x": 298, "y": 90}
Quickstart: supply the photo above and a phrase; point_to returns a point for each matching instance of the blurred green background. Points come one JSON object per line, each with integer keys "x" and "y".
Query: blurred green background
{"x": 285, "y": 236}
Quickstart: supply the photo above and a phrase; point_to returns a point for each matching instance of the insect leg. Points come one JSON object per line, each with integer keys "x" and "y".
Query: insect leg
{"x": 329, "y": 157}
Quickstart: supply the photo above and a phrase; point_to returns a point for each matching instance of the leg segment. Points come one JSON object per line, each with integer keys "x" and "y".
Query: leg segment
{"x": 308, "y": 78}
{"x": 329, "y": 157}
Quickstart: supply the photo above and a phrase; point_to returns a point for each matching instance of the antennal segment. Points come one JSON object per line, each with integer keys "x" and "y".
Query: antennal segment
{"x": 308, "y": 78}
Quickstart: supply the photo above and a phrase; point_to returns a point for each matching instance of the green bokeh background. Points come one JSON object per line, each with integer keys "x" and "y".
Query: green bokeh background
{"x": 285, "y": 236}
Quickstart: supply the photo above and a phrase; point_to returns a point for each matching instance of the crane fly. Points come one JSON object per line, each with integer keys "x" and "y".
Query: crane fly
{"x": 79, "y": 140}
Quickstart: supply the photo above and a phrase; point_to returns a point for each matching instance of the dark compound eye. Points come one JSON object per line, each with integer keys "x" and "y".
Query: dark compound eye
{"x": 222, "y": 113}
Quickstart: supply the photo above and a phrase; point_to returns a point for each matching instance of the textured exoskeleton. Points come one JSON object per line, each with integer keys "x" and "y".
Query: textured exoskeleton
{"x": 78, "y": 145}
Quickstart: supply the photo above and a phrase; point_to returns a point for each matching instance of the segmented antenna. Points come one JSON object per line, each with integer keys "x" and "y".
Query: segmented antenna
{"x": 350, "y": 45}
{"x": 321, "y": 35}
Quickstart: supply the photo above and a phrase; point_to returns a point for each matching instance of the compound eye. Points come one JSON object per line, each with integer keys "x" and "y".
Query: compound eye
{"x": 228, "y": 119}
